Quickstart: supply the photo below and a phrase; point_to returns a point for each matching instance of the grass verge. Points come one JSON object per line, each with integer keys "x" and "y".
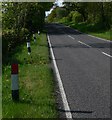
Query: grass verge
{"x": 37, "y": 99}
{"x": 92, "y": 29}
{"x": 0, "y": 98}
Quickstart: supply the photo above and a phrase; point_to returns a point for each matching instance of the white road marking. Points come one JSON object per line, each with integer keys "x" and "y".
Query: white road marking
{"x": 91, "y": 35}
{"x": 71, "y": 37}
{"x": 99, "y": 38}
{"x": 91, "y": 46}
{"x": 106, "y": 54}
{"x": 84, "y": 44}
{"x": 64, "y": 98}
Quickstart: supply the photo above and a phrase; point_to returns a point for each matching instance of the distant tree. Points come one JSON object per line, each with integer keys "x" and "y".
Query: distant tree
{"x": 61, "y": 12}
{"x": 52, "y": 15}
{"x": 93, "y": 12}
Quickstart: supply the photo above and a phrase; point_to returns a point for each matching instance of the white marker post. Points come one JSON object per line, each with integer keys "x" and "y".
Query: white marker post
{"x": 34, "y": 37}
{"x": 38, "y": 32}
{"x": 28, "y": 46}
{"x": 15, "y": 82}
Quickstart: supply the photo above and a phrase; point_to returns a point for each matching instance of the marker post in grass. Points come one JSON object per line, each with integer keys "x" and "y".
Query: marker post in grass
{"x": 28, "y": 44}
{"x": 38, "y": 32}
{"x": 14, "y": 82}
{"x": 28, "y": 47}
{"x": 34, "y": 37}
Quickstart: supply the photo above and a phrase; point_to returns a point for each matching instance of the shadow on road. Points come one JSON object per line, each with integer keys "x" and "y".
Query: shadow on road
{"x": 101, "y": 45}
{"x": 57, "y": 29}
{"x": 93, "y": 45}
{"x": 69, "y": 46}
{"x": 75, "y": 111}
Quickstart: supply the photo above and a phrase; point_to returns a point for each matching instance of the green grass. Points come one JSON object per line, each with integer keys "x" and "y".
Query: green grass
{"x": 0, "y": 97}
{"x": 94, "y": 29}
{"x": 37, "y": 99}
{"x": 103, "y": 34}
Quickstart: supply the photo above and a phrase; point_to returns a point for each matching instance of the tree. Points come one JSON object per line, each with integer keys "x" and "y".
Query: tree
{"x": 93, "y": 12}
{"x": 19, "y": 19}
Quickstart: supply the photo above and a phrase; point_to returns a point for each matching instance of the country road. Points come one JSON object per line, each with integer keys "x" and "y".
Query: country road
{"x": 84, "y": 66}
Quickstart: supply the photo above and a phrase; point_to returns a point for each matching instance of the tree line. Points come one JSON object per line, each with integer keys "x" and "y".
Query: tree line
{"x": 89, "y": 12}
{"x": 19, "y": 20}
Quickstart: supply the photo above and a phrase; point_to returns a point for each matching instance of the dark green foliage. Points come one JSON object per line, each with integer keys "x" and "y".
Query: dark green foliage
{"x": 52, "y": 16}
{"x": 57, "y": 13}
{"x": 35, "y": 17}
{"x": 99, "y": 13}
{"x": 76, "y": 17}
{"x": 61, "y": 12}
{"x": 20, "y": 19}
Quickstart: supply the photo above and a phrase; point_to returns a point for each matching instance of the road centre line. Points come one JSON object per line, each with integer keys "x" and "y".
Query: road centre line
{"x": 63, "y": 95}
{"x": 71, "y": 37}
{"x": 91, "y": 46}
{"x": 84, "y": 44}
{"x": 91, "y": 35}
{"x": 106, "y": 54}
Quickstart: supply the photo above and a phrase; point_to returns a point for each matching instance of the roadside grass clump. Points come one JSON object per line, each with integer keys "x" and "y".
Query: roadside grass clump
{"x": 0, "y": 97}
{"x": 103, "y": 34}
{"x": 36, "y": 86}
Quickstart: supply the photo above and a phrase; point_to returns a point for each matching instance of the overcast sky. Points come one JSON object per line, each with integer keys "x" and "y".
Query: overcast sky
{"x": 59, "y": 3}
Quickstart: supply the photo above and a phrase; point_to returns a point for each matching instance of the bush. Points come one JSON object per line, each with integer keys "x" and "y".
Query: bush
{"x": 61, "y": 12}
{"x": 77, "y": 17}
{"x": 64, "y": 20}
{"x": 23, "y": 33}
{"x": 10, "y": 39}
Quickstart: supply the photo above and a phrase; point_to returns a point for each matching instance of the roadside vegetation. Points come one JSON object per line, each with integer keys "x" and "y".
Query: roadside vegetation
{"x": 0, "y": 65}
{"x": 92, "y": 18}
{"x": 93, "y": 29}
{"x": 37, "y": 99}
{"x": 19, "y": 20}
{"x": 36, "y": 81}
{"x": 0, "y": 97}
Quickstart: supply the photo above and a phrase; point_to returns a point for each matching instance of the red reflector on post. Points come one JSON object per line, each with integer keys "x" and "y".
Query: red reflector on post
{"x": 14, "y": 68}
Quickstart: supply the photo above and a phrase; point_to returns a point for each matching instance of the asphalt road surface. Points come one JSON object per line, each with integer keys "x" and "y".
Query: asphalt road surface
{"x": 84, "y": 66}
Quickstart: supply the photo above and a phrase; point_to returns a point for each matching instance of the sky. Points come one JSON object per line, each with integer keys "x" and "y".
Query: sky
{"x": 59, "y": 3}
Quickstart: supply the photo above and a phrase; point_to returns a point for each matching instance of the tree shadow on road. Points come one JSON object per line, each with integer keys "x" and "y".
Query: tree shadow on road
{"x": 93, "y": 45}
{"x": 75, "y": 111}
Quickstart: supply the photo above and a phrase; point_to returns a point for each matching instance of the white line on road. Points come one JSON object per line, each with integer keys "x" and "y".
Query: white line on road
{"x": 91, "y": 35}
{"x": 64, "y": 98}
{"x": 71, "y": 37}
{"x": 84, "y": 44}
{"x": 99, "y": 38}
{"x": 106, "y": 54}
{"x": 91, "y": 46}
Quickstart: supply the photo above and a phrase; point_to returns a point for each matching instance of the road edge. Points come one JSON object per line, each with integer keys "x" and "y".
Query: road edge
{"x": 60, "y": 84}
{"x": 89, "y": 34}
